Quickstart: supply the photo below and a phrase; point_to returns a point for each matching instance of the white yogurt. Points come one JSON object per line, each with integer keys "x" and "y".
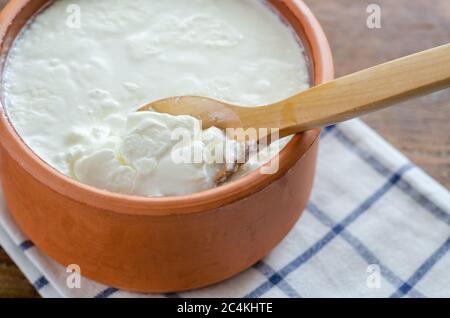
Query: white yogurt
{"x": 71, "y": 92}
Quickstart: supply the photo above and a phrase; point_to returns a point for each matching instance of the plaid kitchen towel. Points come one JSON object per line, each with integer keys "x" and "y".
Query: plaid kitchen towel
{"x": 376, "y": 226}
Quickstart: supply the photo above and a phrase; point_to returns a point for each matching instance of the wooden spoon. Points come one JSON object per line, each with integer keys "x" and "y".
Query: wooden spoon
{"x": 342, "y": 99}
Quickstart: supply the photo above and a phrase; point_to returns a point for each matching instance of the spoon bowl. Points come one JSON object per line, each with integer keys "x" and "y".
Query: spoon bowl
{"x": 212, "y": 112}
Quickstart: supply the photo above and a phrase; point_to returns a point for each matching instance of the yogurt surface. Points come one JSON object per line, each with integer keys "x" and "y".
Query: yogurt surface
{"x": 71, "y": 89}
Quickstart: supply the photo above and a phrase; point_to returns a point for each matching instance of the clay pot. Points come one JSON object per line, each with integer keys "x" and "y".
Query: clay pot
{"x": 161, "y": 244}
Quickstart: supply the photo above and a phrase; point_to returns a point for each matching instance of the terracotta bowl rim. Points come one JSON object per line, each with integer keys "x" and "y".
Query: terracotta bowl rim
{"x": 205, "y": 201}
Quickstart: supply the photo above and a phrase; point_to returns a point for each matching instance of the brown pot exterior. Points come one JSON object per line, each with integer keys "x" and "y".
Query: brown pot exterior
{"x": 169, "y": 244}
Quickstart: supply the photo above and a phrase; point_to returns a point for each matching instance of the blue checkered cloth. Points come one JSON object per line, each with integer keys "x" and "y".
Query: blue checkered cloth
{"x": 376, "y": 226}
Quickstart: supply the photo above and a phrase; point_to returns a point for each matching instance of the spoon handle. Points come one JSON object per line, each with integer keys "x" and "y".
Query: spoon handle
{"x": 360, "y": 93}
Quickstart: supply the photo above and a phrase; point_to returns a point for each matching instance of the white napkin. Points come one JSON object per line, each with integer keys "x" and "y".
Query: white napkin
{"x": 376, "y": 226}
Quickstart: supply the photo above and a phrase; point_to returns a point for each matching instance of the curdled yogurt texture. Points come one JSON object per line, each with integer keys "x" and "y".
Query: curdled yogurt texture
{"x": 71, "y": 91}
{"x": 148, "y": 160}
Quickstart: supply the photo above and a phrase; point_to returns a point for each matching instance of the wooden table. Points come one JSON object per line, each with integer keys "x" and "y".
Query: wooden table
{"x": 420, "y": 129}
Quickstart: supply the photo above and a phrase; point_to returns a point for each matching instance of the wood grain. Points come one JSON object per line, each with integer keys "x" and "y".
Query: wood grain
{"x": 12, "y": 281}
{"x": 421, "y": 131}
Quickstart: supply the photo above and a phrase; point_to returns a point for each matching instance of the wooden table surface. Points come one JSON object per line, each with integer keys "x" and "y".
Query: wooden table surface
{"x": 420, "y": 128}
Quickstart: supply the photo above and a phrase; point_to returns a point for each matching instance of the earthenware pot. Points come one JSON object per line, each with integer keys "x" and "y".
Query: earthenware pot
{"x": 161, "y": 244}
